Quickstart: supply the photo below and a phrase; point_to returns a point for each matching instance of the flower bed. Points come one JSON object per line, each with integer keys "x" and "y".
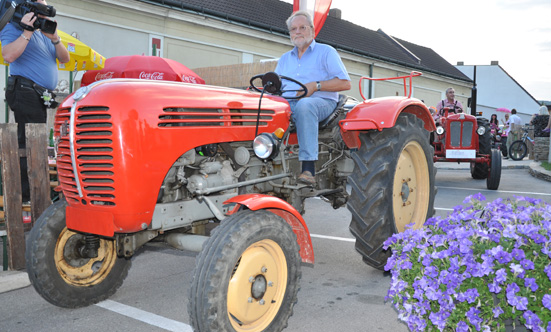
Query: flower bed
{"x": 478, "y": 269}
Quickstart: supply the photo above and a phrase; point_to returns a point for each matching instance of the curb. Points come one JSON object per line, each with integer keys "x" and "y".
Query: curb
{"x": 539, "y": 172}
{"x": 12, "y": 280}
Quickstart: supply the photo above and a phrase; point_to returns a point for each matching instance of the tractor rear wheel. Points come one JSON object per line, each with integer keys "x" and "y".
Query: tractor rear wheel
{"x": 480, "y": 170}
{"x": 247, "y": 275}
{"x": 494, "y": 177}
{"x": 392, "y": 186}
{"x": 60, "y": 274}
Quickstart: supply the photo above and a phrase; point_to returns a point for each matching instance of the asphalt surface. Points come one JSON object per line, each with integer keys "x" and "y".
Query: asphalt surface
{"x": 339, "y": 293}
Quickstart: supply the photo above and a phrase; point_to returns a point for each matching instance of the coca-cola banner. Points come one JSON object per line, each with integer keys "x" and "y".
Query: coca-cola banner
{"x": 144, "y": 68}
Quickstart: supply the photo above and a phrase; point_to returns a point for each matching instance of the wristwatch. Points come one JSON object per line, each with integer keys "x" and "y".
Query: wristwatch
{"x": 57, "y": 42}
{"x": 318, "y": 85}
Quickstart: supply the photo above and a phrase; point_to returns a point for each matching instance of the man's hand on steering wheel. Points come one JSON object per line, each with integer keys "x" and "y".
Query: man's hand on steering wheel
{"x": 311, "y": 87}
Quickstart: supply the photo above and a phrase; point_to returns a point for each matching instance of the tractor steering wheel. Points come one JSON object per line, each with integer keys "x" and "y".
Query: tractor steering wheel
{"x": 271, "y": 83}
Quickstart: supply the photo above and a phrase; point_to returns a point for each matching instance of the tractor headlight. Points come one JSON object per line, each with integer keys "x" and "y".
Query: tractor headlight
{"x": 439, "y": 130}
{"x": 481, "y": 130}
{"x": 265, "y": 146}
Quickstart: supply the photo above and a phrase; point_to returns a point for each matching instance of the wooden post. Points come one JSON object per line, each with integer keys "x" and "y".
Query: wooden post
{"x": 38, "y": 169}
{"x": 11, "y": 175}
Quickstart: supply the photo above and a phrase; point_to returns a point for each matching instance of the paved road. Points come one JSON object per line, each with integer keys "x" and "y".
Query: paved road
{"x": 340, "y": 293}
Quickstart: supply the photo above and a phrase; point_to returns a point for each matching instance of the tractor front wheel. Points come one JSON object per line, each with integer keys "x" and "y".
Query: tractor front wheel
{"x": 247, "y": 275}
{"x": 57, "y": 270}
{"x": 494, "y": 177}
{"x": 392, "y": 186}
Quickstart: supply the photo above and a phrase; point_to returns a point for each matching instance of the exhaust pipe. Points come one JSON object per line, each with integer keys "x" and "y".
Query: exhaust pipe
{"x": 187, "y": 242}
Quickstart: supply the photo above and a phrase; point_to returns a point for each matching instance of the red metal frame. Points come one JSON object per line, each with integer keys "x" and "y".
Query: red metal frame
{"x": 410, "y": 76}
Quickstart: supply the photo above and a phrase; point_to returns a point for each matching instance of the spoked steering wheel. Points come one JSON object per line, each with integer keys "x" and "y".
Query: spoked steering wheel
{"x": 271, "y": 83}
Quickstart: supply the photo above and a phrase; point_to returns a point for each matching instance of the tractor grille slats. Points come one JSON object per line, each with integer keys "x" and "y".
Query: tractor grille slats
{"x": 94, "y": 155}
{"x": 194, "y": 117}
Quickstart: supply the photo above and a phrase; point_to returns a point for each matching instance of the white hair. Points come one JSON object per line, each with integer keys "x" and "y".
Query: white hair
{"x": 300, "y": 13}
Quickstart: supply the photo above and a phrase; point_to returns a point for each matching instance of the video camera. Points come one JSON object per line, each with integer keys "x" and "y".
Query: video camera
{"x": 14, "y": 10}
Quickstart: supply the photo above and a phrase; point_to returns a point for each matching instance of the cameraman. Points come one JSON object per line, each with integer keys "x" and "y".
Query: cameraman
{"x": 32, "y": 56}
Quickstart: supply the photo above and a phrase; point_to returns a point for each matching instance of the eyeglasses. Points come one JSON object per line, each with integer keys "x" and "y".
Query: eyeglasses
{"x": 301, "y": 29}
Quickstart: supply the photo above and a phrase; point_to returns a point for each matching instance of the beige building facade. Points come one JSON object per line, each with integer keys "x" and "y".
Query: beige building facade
{"x": 128, "y": 27}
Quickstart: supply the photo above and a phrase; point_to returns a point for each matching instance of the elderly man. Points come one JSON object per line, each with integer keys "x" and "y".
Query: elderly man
{"x": 454, "y": 105}
{"x": 321, "y": 70}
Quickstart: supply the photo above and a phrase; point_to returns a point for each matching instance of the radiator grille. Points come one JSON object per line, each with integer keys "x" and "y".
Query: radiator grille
{"x": 93, "y": 154}
{"x": 195, "y": 117}
{"x": 461, "y": 134}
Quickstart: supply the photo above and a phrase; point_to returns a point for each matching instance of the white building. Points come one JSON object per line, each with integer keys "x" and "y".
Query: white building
{"x": 496, "y": 88}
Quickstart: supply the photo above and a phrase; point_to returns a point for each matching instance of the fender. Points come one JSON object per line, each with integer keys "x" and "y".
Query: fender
{"x": 284, "y": 210}
{"x": 381, "y": 113}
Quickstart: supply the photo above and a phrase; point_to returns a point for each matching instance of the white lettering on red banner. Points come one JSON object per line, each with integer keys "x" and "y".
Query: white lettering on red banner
{"x": 104, "y": 76}
{"x": 189, "y": 79}
{"x": 151, "y": 76}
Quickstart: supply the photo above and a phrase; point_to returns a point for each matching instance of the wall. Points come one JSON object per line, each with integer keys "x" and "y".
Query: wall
{"x": 497, "y": 89}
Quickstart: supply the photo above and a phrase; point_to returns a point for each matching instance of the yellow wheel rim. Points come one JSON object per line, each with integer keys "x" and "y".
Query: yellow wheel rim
{"x": 257, "y": 287}
{"x": 411, "y": 188}
{"x": 78, "y": 271}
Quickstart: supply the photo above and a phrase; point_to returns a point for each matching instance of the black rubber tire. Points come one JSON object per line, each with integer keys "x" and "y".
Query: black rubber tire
{"x": 518, "y": 150}
{"x": 480, "y": 171}
{"x": 375, "y": 203}
{"x": 221, "y": 261}
{"x": 44, "y": 268}
{"x": 494, "y": 177}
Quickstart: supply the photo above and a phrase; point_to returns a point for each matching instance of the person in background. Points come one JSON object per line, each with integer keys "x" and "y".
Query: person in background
{"x": 32, "y": 56}
{"x": 454, "y": 105}
{"x": 515, "y": 128}
{"x": 320, "y": 68}
{"x": 494, "y": 123}
{"x": 505, "y": 136}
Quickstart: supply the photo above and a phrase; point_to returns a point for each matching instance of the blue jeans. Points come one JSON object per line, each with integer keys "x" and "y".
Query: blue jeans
{"x": 307, "y": 113}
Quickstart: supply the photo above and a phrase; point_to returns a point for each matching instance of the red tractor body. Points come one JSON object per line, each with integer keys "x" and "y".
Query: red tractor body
{"x": 465, "y": 138}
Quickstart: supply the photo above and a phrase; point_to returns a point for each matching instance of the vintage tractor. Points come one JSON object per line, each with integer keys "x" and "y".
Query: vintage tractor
{"x": 465, "y": 138}
{"x": 142, "y": 161}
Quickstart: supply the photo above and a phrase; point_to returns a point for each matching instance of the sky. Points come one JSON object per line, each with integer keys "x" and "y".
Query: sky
{"x": 517, "y": 33}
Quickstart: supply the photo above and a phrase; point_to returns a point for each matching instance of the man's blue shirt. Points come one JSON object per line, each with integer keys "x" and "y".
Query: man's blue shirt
{"x": 320, "y": 62}
{"x": 37, "y": 62}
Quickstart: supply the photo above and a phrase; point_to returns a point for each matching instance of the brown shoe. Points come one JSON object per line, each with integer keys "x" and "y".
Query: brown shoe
{"x": 307, "y": 178}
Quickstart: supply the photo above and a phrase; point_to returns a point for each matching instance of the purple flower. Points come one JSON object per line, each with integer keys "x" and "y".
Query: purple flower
{"x": 494, "y": 287}
{"x": 503, "y": 257}
{"x": 546, "y": 301}
{"x": 463, "y": 327}
{"x": 532, "y": 320}
{"x": 531, "y": 283}
{"x": 516, "y": 268}
{"x": 501, "y": 276}
{"x": 518, "y": 254}
{"x": 473, "y": 317}
{"x": 439, "y": 319}
{"x": 469, "y": 295}
{"x": 522, "y": 303}
{"x": 527, "y": 264}
{"x": 547, "y": 270}
{"x": 497, "y": 311}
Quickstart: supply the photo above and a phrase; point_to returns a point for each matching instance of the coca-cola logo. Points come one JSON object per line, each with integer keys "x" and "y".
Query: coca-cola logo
{"x": 151, "y": 76}
{"x": 104, "y": 76}
{"x": 189, "y": 79}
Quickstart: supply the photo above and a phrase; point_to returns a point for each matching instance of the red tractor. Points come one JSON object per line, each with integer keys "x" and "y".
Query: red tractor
{"x": 142, "y": 161}
{"x": 465, "y": 138}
